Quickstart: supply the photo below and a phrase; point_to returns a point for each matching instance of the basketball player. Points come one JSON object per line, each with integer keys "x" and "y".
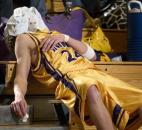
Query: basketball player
{"x": 63, "y": 63}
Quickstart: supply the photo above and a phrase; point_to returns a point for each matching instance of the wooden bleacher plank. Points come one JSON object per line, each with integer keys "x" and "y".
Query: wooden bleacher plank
{"x": 7, "y": 62}
{"x": 7, "y": 117}
{"x": 36, "y": 126}
{"x": 54, "y": 6}
{"x": 128, "y": 71}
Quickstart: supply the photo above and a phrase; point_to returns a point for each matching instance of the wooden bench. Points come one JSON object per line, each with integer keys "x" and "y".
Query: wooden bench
{"x": 130, "y": 72}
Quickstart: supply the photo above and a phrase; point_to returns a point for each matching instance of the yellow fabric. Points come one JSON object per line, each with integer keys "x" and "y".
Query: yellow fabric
{"x": 104, "y": 57}
{"x": 75, "y": 77}
{"x": 98, "y": 41}
{"x": 59, "y": 57}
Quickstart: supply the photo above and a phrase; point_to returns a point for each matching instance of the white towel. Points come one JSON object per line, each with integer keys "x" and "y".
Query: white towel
{"x": 24, "y": 20}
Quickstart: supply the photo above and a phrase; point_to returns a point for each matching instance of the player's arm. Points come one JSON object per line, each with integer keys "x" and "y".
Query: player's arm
{"x": 83, "y": 49}
{"x": 23, "y": 57}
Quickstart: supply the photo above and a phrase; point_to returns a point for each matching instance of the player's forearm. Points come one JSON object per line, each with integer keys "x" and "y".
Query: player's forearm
{"x": 81, "y": 48}
{"x": 77, "y": 45}
{"x": 20, "y": 87}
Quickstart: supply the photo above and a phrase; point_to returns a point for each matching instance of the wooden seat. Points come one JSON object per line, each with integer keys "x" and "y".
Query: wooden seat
{"x": 130, "y": 72}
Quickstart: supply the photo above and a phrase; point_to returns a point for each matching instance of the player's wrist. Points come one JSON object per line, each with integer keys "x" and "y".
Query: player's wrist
{"x": 90, "y": 53}
{"x": 19, "y": 95}
{"x": 66, "y": 38}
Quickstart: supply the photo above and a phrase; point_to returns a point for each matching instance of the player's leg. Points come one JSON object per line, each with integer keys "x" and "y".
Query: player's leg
{"x": 97, "y": 109}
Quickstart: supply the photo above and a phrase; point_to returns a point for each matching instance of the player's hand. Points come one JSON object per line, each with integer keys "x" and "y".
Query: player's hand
{"x": 19, "y": 106}
{"x": 50, "y": 41}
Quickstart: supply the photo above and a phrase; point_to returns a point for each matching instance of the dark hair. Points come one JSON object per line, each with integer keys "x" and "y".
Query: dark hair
{"x": 10, "y": 43}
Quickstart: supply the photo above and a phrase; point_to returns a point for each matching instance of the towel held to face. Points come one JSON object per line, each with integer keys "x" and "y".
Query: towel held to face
{"x": 24, "y": 20}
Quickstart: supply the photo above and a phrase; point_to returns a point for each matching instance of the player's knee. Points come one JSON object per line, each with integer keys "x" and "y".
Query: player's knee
{"x": 93, "y": 94}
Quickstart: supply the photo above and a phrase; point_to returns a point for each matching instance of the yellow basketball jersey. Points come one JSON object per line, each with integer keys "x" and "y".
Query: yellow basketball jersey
{"x": 59, "y": 61}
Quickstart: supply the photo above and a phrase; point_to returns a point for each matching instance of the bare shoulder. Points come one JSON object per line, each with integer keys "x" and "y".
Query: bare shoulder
{"x": 25, "y": 41}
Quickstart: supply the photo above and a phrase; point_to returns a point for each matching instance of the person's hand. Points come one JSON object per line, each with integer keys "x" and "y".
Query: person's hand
{"x": 50, "y": 41}
{"x": 19, "y": 106}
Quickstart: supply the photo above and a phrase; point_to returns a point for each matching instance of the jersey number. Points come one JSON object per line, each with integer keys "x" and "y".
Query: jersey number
{"x": 71, "y": 57}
